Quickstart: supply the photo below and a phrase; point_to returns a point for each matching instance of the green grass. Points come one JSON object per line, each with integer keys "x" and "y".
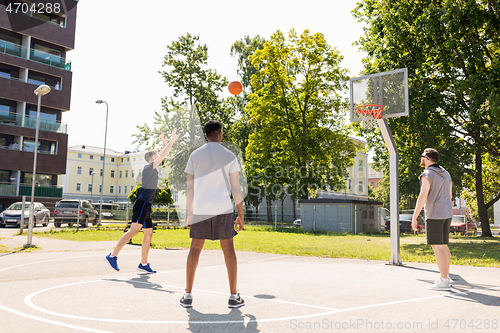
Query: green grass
{"x": 290, "y": 241}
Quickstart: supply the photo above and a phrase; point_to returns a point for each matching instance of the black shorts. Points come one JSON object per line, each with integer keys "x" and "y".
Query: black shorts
{"x": 215, "y": 227}
{"x": 437, "y": 231}
{"x": 141, "y": 213}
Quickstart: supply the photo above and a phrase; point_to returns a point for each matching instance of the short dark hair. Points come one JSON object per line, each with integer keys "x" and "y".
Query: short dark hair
{"x": 149, "y": 154}
{"x": 212, "y": 127}
{"x": 432, "y": 154}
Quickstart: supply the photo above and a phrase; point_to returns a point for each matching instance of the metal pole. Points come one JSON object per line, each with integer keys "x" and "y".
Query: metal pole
{"x": 275, "y": 216}
{"x": 394, "y": 190}
{"x": 314, "y": 220}
{"x": 32, "y": 205}
{"x": 103, "y": 163}
{"x": 21, "y": 223}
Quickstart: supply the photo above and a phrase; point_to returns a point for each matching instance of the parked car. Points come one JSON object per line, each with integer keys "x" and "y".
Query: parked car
{"x": 107, "y": 210}
{"x": 66, "y": 211}
{"x": 405, "y": 224}
{"x": 297, "y": 223}
{"x": 12, "y": 215}
{"x": 458, "y": 225}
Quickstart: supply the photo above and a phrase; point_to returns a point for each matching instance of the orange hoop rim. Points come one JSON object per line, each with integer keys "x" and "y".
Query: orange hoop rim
{"x": 375, "y": 111}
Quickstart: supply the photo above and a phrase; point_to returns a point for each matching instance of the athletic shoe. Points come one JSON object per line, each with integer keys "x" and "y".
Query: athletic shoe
{"x": 440, "y": 284}
{"x": 112, "y": 261}
{"x": 235, "y": 301}
{"x": 450, "y": 281}
{"x": 187, "y": 301}
{"x": 145, "y": 269}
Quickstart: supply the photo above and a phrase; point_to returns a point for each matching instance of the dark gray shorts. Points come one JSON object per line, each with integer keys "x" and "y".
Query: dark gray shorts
{"x": 215, "y": 227}
{"x": 437, "y": 231}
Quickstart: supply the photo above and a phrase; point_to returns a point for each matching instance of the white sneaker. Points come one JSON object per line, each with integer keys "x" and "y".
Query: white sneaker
{"x": 440, "y": 284}
{"x": 450, "y": 281}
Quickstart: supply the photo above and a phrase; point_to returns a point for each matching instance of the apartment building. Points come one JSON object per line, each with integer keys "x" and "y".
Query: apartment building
{"x": 33, "y": 49}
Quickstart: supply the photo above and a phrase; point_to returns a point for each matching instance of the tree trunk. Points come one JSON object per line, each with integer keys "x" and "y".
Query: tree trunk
{"x": 294, "y": 210}
{"x": 282, "y": 213}
{"x": 481, "y": 206}
{"x": 269, "y": 209}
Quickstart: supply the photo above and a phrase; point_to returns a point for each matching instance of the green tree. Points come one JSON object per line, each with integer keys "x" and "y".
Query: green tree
{"x": 451, "y": 51}
{"x": 195, "y": 100}
{"x": 296, "y": 108}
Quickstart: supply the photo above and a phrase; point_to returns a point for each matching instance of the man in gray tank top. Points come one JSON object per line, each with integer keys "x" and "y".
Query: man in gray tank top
{"x": 436, "y": 199}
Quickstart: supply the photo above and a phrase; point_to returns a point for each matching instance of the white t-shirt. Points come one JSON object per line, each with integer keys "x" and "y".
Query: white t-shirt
{"x": 211, "y": 165}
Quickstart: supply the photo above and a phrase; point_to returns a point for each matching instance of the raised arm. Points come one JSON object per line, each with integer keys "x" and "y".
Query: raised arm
{"x": 166, "y": 148}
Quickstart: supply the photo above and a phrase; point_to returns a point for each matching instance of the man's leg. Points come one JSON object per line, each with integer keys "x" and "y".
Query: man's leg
{"x": 192, "y": 262}
{"x": 134, "y": 230}
{"x": 231, "y": 263}
{"x": 146, "y": 244}
{"x": 442, "y": 260}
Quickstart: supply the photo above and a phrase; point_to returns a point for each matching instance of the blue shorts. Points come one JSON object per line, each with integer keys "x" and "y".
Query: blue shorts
{"x": 141, "y": 213}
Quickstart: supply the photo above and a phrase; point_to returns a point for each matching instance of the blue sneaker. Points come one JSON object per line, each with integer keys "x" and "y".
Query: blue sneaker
{"x": 112, "y": 261}
{"x": 145, "y": 269}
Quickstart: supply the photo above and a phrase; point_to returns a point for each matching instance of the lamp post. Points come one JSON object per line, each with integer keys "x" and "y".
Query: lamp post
{"x": 40, "y": 91}
{"x": 92, "y": 191}
{"x": 100, "y": 101}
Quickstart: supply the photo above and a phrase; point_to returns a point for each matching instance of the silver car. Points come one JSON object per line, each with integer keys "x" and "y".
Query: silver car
{"x": 12, "y": 215}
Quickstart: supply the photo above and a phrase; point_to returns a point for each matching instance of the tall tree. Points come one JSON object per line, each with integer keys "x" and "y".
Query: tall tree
{"x": 297, "y": 110}
{"x": 195, "y": 99}
{"x": 451, "y": 49}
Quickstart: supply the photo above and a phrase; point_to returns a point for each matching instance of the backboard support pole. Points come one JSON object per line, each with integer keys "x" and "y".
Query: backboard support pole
{"x": 394, "y": 188}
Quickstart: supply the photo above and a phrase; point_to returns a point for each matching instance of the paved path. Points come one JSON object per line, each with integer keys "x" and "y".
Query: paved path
{"x": 67, "y": 287}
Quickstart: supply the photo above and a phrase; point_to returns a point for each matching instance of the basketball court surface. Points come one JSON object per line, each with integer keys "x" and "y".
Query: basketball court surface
{"x": 68, "y": 287}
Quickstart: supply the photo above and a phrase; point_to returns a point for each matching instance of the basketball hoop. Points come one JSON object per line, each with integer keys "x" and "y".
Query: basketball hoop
{"x": 373, "y": 110}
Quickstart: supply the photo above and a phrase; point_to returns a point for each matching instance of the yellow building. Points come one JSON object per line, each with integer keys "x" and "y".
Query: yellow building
{"x": 122, "y": 172}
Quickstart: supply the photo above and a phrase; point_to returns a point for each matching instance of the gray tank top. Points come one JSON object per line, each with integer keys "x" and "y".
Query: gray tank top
{"x": 439, "y": 205}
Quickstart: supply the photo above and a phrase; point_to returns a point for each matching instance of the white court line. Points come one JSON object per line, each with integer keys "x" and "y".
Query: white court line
{"x": 48, "y": 321}
{"x": 29, "y": 302}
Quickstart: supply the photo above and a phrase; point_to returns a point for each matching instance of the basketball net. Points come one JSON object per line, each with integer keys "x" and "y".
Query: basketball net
{"x": 373, "y": 110}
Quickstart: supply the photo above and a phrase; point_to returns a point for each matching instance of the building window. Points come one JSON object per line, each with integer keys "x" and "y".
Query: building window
{"x": 90, "y": 171}
{"x": 79, "y": 170}
{"x": 91, "y": 157}
{"x": 79, "y": 155}
{"x": 372, "y": 215}
{"x": 132, "y": 174}
{"x": 44, "y": 147}
{"x": 101, "y": 173}
{"x": 102, "y": 158}
{"x": 176, "y": 196}
{"x": 125, "y": 189}
{"x": 349, "y": 184}
{"x": 100, "y": 188}
{"x": 122, "y": 160}
{"x": 111, "y": 189}
{"x": 360, "y": 167}
{"x": 120, "y": 174}
{"x": 128, "y": 159}
{"x": 89, "y": 187}
{"x": 119, "y": 189}
{"x": 112, "y": 159}
{"x": 78, "y": 187}
{"x": 126, "y": 173}
{"x": 112, "y": 173}
{"x": 360, "y": 187}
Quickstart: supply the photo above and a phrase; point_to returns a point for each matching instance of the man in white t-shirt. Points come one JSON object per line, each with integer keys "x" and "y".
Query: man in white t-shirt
{"x": 212, "y": 176}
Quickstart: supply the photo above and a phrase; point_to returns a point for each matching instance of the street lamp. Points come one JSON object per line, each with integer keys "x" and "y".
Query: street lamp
{"x": 100, "y": 101}
{"x": 40, "y": 91}
{"x": 92, "y": 191}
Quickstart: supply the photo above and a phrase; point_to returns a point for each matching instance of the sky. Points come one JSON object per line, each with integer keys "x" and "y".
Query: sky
{"x": 120, "y": 46}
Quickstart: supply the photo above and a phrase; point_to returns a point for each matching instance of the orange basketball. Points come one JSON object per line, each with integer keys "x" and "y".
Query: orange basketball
{"x": 235, "y": 87}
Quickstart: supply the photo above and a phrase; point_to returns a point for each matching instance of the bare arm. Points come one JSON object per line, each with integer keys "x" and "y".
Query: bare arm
{"x": 238, "y": 198}
{"x": 166, "y": 148}
{"x": 421, "y": 200}
{"x": 190, "y": 198}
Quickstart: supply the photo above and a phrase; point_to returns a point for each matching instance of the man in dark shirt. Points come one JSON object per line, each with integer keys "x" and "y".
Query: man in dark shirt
{"x": 142, "y": 207}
